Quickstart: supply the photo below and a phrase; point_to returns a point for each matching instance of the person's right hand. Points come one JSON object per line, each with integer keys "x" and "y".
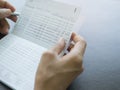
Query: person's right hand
{"x": 5, "y": 11}
{"x": 57, "y": 73}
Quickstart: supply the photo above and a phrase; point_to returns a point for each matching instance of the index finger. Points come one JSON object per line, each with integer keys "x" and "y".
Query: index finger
{"x": 79, "y": 48}
{"x": 80, "y": 44}
{"x": 76, "y": 38}
{"x": 5, "y": 4}
{"x": 58, "y": 48}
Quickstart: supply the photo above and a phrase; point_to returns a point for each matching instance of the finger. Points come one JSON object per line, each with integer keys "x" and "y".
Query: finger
{"x": 76, "y": 54}
{"x": 79, "y": 48}
{"x": 80, "y": 44}
{"x": 4, "y": 26}
{"x": 5, "y": 13}
{"x": 71, "y": 62}
{"x": 76, "y": 38}
{"x": 47, "y": 57}
{"x": 5, "y": 4}
{"x": 58, "y": 48}
{"x": 13, "y": 18}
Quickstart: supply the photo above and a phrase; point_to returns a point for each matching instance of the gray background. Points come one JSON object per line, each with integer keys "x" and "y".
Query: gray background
{"x": 101, "y": 29}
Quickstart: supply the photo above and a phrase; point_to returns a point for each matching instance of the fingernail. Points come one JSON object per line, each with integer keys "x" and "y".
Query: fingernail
{"x": 5, "y": 13}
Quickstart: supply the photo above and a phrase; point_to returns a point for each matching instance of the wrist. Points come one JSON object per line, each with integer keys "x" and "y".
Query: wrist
{"x": 47, "y": 84}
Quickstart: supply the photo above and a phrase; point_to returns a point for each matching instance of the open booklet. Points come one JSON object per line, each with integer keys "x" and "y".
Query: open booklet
{"x": 40, "y": 25}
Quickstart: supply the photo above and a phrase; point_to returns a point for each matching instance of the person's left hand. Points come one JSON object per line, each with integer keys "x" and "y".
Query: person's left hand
{"x": 5, "y": 12}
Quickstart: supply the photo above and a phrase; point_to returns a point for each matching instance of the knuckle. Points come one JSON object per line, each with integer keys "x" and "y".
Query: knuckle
{"x": 48, "y": 54}
{"x": 78, "y": 57}
{"x": 84, "y": 41}
{"x": 78, "y": 60}
{"x": 81, "y": 69}
{"x": 60, "y": 45}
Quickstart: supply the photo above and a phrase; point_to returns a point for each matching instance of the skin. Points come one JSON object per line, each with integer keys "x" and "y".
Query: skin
{"x": 57, "y": 73}
{"x": 5, "y": 11}
{"x": 54, "y": 72}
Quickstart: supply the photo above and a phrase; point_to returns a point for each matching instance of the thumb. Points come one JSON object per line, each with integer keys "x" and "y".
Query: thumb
{"x": 5, "y": 13}
{"x": 59, "y": 46}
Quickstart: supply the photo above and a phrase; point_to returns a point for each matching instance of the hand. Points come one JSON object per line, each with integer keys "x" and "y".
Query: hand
{"x": 57, "y": 73}
{"x": 5, "y": 11}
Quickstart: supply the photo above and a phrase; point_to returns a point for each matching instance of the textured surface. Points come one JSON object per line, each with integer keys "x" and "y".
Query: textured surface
{"x": 101, "y": 29}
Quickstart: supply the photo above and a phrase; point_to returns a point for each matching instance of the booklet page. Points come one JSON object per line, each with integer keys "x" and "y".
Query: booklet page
{"x": 44, "y": 22}
{"x": 19, "y": 62}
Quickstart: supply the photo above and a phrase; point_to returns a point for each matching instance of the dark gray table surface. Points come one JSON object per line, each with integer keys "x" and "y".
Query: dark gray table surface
{"x": 101, "y": 29}
{"x": 102, "y": 59}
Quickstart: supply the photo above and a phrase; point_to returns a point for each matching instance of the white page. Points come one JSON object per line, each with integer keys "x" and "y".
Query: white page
{"x": 44, "y": 22}
{"x": 19, "y": 62}
{"x": 39, "y": 26}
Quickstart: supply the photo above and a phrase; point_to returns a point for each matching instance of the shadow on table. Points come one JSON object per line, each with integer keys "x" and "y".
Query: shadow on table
{"x": 1, "y": 35}
{"x": 4, "y": 87}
